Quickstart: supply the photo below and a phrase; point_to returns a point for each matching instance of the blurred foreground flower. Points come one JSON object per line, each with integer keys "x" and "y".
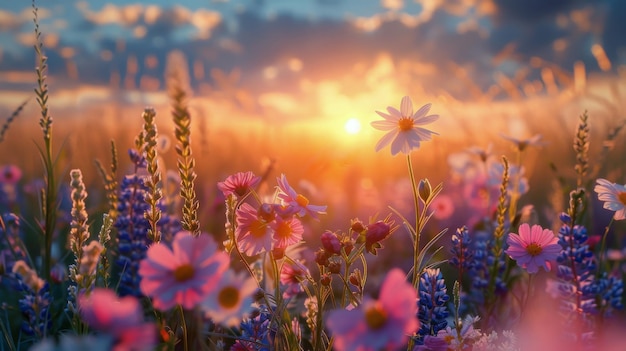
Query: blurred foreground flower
{"x": 382, "y": 324}
{"x": 614, "y": 197}
{"x": 231, "y": 299}
{"x": 403, "y": 126}
{"x": 122, "y": 319}
{"x": 533, "y": 247}
{"x": 182, "y": 276}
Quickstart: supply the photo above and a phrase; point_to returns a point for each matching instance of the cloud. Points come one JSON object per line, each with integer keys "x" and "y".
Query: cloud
{"x": 152, "y": 20}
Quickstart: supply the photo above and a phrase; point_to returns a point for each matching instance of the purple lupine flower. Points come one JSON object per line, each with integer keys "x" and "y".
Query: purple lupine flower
{"x": 432, "y": 310}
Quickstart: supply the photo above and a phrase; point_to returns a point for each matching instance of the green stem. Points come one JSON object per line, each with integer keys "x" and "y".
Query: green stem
{"x": 184, "y": 325}
{"x": 416, "y": 241}
{"x": 602, "y": 253}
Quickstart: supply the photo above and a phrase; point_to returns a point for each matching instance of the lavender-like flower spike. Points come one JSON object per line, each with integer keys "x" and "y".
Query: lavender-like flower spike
{"x": 432, "y": 310}
{"x": 132, "y": 229}
{"x": 35, "y": 302}
{"x": 576, "y": 267}
{"x": 462, "y": 256}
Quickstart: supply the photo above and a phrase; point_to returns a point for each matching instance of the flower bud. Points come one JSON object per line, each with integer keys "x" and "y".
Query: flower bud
{"x": 321, "y": 257}
{"x": 331, "y": 242}
{"x": 326, "y": 279}
{"x": 376, "y": 232}
{"x": 356, "y": 278}
{"x": 424, "y": 189}
{"x": 334, "y": 267}
{"x": 356, "y": 225}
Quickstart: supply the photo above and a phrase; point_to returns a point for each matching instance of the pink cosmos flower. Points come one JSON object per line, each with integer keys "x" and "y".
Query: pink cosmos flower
{"x": 443, "y": 207}
{"x": 287, "y": 232}
{"x": 239, "y": 184}
{"x": 291, "y": 274}
{"x": 403, "y": 126}
{"x": 290, "y": 197}
{"x": 10, "y": 174}
{"x": 121, "y": 318}
{"x": 183, "y": 275}
{"x": 382, "y": 324}
{"x": 253, "y": 233}
{"x": 533, "y": 248}
{"x": 231, "y": 299}
{"x": 614, "y": 197}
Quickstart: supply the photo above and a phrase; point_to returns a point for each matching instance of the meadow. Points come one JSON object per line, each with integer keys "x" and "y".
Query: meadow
{"x": 210, "y": 224}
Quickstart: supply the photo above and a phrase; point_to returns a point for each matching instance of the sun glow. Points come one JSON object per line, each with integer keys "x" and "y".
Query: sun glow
{"x": 352, "y": 126}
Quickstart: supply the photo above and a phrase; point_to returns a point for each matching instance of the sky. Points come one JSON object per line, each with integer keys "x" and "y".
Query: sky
{"x": 466, "y": 49}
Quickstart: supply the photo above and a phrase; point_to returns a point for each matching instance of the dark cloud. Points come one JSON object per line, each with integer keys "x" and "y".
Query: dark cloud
{"x": 528, "y": 11}
{"x": 613, "y": 38}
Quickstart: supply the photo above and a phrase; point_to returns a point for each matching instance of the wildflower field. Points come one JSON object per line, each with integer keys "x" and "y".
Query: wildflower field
{"x": 178, "y": 221}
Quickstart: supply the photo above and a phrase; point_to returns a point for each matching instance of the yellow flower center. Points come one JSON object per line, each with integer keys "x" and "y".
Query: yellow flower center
{"x": 622, "y": 197}
{"x": 228, "y": 297}
{"x": 533, "y": 249}
{"x": 405, "y": 124}
{"x": 375, "y": 316}
{"x": 184, "y": 272}
{"x": 283, "y": 230}
{"x": 301, "y": 200}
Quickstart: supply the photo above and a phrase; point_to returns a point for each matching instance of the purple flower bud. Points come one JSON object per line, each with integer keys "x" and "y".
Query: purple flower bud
{"x": 331, "y": 242}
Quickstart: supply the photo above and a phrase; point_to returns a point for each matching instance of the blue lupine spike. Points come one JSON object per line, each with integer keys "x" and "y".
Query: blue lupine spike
{"x": 433, "y": 298}
{"x": 133, "y": 228}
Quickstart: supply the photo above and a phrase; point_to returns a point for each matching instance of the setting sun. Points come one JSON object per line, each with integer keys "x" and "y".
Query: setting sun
{"x": 352, "y": 126}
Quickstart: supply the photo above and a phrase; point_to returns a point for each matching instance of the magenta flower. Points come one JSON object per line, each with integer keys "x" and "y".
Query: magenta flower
{"x": 239, "y": 184}
{"x": 290, "y": 197}
{"x": 403, "y": 126}
{"x": 253, "y": 233}
{"x": 121, "y": 318}
{"x": 614, "y": 197}
{"x": 533, "y": 248}
{"x": 382, "y": 324}
{"x": 184, "y": 275}
{"x": 231, "y": 299}
{"x": 10, "y": 174}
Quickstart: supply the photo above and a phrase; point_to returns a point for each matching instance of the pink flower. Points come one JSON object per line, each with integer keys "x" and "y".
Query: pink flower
{"x": 253, "y": 233}
{"x": 291, "y": 274}
{"x": 403, "y": 126}
{"x": 289, "y": 197}
{"x": 287, "y": 232}
{"x": 239, "y": 184}
{"x": 443, "y": 207}
{"x": 121, "y": 318}
{"x": 533, "y": 247}
{"x": 614, "y": 197}
{"x": 231, "y": 299}
{"x": 10, "y": 174}
{"x": 183, "y": 275}
{"x": 382, "y": 324}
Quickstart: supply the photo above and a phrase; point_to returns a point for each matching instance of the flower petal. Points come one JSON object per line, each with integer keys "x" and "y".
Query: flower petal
{"x": 384, "y": 125}
{"x": 406, "y": 107}
{"x": 386, "y": 139}
{"x": 421, "y": 112}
